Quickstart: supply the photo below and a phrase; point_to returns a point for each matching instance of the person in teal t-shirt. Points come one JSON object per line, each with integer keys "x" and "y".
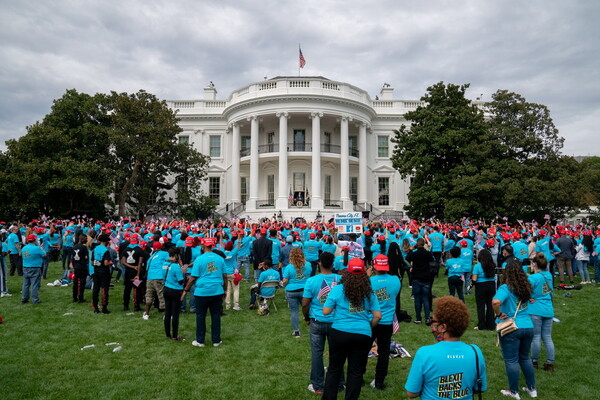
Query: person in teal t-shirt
{"x": 386, "y": 287}
{"x": 32, "y": 269}
{"x": 484, "y": 279}
{"x": 173, "y": 279}
{"x": 510, "y": 299}
{"x": 208, "y": 273}
{"x": 295, "y": 276}
{"x": 541, "y": 311}
{"x": 449, "y": 368}
{"x": 355, "y": 311}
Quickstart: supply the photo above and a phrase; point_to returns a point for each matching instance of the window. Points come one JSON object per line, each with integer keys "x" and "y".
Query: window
{"x": 383, "y": 147}
{"x": 215, "y": 146}
{"x": 299, "y": 140}
{"x": 243, "y": 189}
{"x": 384, "y": 191}
{"x": 271, "y": 142}
{"x": 327, "y": 142}
{"x": 245, "y": 146}
{"x": 327, "y": 189}
{"x": 271, "y": 189}
{"x": 184, "y": 140}
{"x": 214, "y": 188}
{"x": 182, "y": 187}
{"x": 354, "y": 189}
{"x": 353, "y": 144}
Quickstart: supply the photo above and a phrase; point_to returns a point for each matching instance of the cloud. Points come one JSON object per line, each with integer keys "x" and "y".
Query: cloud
{"x": 544, "y": 50}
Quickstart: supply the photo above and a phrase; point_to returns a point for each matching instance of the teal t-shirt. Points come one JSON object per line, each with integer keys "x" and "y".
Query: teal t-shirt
{"x": 155, "y": 265}
{"x": 541, "y": 283}
{"x": 296, "y": 280}
{"x": 173, "y": 275}
{"x": 446, "y": 370}
{"x": 509, "y": 306}
{"x": 386, "y": 287}
{"x": 478, "y": 270}
{"x": 317, "y": 289}
{"x": 208, "y": 270}
{"x": 311, "y": 250}
{"x": 456, "y": 267}
{"x": 268, "y": 275}
{"x": 338, "y": 263}
{"x": 32, "y": 256}
{"x": 347, "y": 318}
{"x": 437, "y": 241}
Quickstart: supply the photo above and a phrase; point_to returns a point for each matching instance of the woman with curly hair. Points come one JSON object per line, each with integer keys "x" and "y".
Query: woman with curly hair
{"x": 356, "y": 311}
{"x": 449, "y": 367}
{"x": 295, "y": 276}
{"x": 513, "y": 298}
{"x": 484, "y": 278}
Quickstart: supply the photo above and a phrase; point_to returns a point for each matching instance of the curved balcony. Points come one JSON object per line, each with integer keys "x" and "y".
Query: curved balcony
{"x": 299, "y": 147}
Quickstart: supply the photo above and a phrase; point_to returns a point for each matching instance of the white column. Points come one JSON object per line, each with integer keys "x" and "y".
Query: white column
{"x": 235, "y": 164}
{"x": 254, "y": 180}
{"x": 344, "y": 165}
{"x": 316, "y": 200}
{"x": 362, "y": 163}
{"x": 283, "y": 189}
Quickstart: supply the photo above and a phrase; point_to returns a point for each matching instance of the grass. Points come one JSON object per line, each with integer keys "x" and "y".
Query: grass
{"x": 40, "y": 356}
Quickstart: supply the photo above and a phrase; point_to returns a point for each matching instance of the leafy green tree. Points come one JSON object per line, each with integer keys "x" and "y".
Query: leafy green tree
{"x": 444, "y": 146}
{"x": 59, "y": 167}
{"x": 508, "y": 164}
{"x": 149, "y": 162}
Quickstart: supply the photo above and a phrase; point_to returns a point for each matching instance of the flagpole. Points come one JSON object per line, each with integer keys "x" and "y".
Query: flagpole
{"x": 299, "y": 59}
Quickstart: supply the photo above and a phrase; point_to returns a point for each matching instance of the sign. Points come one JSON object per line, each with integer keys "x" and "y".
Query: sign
{"x": 351, "y": 222}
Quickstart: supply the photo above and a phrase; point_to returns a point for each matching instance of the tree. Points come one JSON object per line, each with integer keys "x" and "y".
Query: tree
{"x": 90, "y": 150}
{"x": 461, "y": 164}
{"x": 149, "y": 161}
{"x": 444, "y": 146}
{"x": 59, "y": 167}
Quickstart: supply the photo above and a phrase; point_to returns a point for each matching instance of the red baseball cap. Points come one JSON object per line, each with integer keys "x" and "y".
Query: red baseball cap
{"x": 356, "y": 266}
{"x": 134, "y": 239}
{"x": 31, "y": 238}
{"x": 490, "y": 243}
{"x": 312, "y": 236}
{"x": 381, "y": 238}
{"x": 463, "y": 243}
{"x": 189, "y": 241}
{"x": 380, "y": 263}
{"x": 208, "y": 241}
{"x": 156, "y": 245}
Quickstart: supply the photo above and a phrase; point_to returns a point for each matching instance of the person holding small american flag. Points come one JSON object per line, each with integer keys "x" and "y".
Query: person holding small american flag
{"x": 386, "y": 287}
{"x": 315, "y": 293}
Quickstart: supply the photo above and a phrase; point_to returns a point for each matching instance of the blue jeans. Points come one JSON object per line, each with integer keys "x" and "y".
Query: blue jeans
{"x": 597, "y": 269}
{"x": 542, "y": 330}
{"x": 515, "y": 351}
{"x": 421, "y": 293}
{"x": 244, "y": 265}
{"x": 294, "y": 299}
{"x": 582, "y": 265}
{"x": 45, "y": 263}
{"x": 3, "y": 286}
{"x": 31, "y": 280}
{"x": 319, "y": 332}
{"x": 203, "y": 304}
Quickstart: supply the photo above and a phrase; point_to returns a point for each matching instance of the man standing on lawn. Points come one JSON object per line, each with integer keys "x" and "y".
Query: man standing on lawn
{"x": 14, "y": 251}
{"x": 208, "y": 273}
{"x": 33, "y": 258}
{"x": 316, "y": 290}
{"x": 100, "y": 269}
{"x": 132, "y": 260}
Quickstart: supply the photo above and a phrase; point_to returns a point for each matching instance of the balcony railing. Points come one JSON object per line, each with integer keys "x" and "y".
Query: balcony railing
{"x": 265, "y": 203}
{"x": 299, "y": 147}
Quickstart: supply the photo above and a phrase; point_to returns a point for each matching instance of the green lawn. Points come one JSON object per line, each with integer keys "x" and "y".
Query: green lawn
{"x": 40, "y": 356}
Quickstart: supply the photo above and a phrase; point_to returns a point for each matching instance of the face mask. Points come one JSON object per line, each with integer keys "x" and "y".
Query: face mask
{"x": 439, "y": 336}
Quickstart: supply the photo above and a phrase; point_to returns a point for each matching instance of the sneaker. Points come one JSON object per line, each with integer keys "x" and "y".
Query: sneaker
{"x": 429, "y": 321}
{"x": 237, "y": 308}
{"x": 105, "y": 311}
{"x": 476, "y": 328}
{"x": 531, "y": 392}
{"x": 146, "y": 316}
{"x": 197, "y": 344}
{"x": 6, "y": 295}
{"x": 311, "y": 388}
{"x": 549, "y": 367}
{"x": 178, "y": 338}
{"x": 217, "y": 344}
{"x": 296, "y": 334}
{"x": 508, "y": 393}
{"x": 418, "y": 322}
{"x": 373, "y": 384}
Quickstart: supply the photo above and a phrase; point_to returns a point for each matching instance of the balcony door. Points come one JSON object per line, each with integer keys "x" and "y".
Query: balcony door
{"x": 299, "y": 140}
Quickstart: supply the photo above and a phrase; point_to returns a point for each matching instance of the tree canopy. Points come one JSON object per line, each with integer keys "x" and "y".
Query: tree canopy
{"x": 92, "y": 153}
{"x": 463, "y": 162}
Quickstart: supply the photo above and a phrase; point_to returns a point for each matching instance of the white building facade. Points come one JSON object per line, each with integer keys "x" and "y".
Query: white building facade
{"x": 298, "y": 146}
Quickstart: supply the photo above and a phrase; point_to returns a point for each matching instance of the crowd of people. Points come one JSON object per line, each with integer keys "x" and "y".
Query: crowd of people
{"x": 346, "y": 285}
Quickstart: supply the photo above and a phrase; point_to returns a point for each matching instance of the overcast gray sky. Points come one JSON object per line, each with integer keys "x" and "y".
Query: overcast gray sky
{"x": 545, "y": 50}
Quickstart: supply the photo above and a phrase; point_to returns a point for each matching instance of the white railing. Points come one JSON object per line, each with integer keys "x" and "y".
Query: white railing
{"x": 267, "y": 86}
{"x": 330, "y": 86}
{"x": 299, "y": 84}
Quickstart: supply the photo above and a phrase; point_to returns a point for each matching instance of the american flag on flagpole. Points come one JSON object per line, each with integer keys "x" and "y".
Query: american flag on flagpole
{"x": 395, "y": 324}
{"x": 301, "y": 58}
{"x": 291, "y": 197}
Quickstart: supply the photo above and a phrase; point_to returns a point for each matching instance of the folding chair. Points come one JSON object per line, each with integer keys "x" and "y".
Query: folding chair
{"x": 271, "y": 299}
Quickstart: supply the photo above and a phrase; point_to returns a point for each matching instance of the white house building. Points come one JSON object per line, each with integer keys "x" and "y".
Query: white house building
{"x": 298, "y": 146}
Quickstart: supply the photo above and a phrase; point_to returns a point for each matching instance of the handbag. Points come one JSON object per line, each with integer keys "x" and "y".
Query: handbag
{"x": 478, "y": 380}
{"x": 508, "y": 325}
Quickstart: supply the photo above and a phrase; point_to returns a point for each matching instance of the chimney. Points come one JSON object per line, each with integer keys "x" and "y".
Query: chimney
{"x": 210, "y": 93}
{"x": 387, "y": 92}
